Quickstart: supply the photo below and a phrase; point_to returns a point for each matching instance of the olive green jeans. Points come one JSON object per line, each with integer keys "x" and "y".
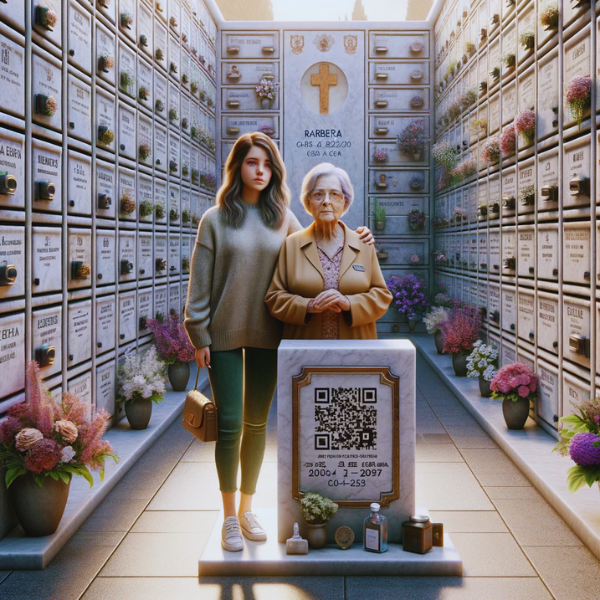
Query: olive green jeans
{"x": 243, "y": 383}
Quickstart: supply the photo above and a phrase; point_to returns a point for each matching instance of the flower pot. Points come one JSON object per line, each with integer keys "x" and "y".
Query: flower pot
{"x": 316, "y": 535}
{"x": 265, "y": 103}
{"x": 179, "y": 373}
{"x": 382, "y": 256}
{"x": 379, "y": 225}
{"x": 415, "y": 226}
{"x": 39, "y": 509}
{"x": 459, "y": 364}
{"x": 412, "y": 323}
{"x": 438, "y": 338}
{"x": 416, "y": 156}
{"x": 138, "y": 412}
{"x": 484, "y": 387}
{"x": 515, "y": 413}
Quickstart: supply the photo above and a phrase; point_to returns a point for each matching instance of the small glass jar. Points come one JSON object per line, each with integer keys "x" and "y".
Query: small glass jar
{"x": 417, "y": 534}
{"x": 375, "y": 531}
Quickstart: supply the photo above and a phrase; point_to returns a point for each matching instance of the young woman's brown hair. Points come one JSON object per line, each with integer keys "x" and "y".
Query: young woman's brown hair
{"x": 275, "y": 198}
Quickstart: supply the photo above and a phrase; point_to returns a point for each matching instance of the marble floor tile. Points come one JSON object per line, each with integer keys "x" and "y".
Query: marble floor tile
{"x": 114, "y": 515}
{"x": 493, "y": 468}
{"x": 433, "y": 438}
{"x": 156, "y": 555}
{"x": 438, "y": 453}
{"x": 191, "y": 486}
{"x": 4, "y": 575}
{"x": 512, "y": 493}
{"x": 184, "y": 521}
{"x": 444, "y": 588}
{"x": 473, "y": 441}
{"x": 491, "y": 555}
{"x": 68, "y": 575}
{"x": 431, "y": 428}
{"x": 483, "y": 521}
{"x": 223, "y": 588}
{"x": 200, "y": 452}
{"x": 449, "y": 486}
{"x": 534, "y": 522}
{"x": 569, "y": 573}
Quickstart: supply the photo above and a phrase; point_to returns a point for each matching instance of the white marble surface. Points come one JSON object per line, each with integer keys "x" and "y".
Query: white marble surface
{"x": 20, "y": 552}
{"x": 530, "y": 449}
{"x": 269, "y": 558}
{"x": 400, "y": 357}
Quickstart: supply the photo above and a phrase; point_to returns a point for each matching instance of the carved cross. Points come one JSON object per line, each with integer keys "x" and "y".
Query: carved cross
{"x": 323, "y": 80}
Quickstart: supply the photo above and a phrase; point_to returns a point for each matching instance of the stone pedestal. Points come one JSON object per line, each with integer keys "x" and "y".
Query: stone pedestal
{"x": 346, "y": 429}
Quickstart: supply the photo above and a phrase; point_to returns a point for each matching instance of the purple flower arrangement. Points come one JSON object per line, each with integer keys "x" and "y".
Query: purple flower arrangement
{"x": 410, "y": 295}
{"x": 580, "y": 440}
{"x": 416, "y": 218}
{"x": 412, "y": 139}
{"x": 208, "y": 180}
{"x": 380, "y": 156}
{"x": 172, "y": 342}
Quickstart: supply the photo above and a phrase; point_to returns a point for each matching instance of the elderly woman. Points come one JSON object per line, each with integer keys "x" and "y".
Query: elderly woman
{"x": 324, "y": 272}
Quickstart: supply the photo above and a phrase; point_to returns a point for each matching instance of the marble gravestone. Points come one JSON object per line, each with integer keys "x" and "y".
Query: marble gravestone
{"x": 346, "y": 430}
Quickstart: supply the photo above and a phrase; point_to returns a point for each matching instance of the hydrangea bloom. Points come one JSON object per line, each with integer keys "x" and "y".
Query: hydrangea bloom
{"x": 508, "y": 140}
{"x": 578, "y": 96}
{"x": 514, "y": 381}
{"x": 434, "y": 319}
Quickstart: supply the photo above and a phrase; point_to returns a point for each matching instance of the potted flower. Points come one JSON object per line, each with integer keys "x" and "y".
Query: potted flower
{"x": 548, "y": 13}
{"x": 265, "y": 90}
{"x": 140, "y": 383}
{"x": 410, "y": 297}
{"x": 144, "y": 151}
{"x": 379, "y": 216}
{"x": 509, "y": 59}
{"x": 479, "y": 126}
{"x": 445, "y": 155}
{"x": 460, "y": 331}
{"x": 382, "y": 255}
{"x": 267, "y": 130}
{"x": 146, "y": 208}
{"x": 483, "y": 364}
{"x": 105, "y": 136}
{"x": 380, "y": 156}
{"x": 433, "y": 322}
{"x": 416, "y": 183}
{"x": 43, "y": 443}
{"x": 525, "y": 125}
{"x": 439, "y": 257}
{"x": 415, "y": 259}
{"x": 515, "y": 385}
{"x": 578, "y": 97}
{"x": 174, "y": 349}
{"x": 527, "y": 39}
{"x": 580, "y": 440}
{"x": 127, "y": 80}
{"x": 416, "y": 219}
{"x": 490, "y": 151}
{"x": 143, "y": 93}
{"x": 316, "y": 511}
{"x": 159, "y": 211}
{"x": 508, "y": 140}
{"x": 412, "y": 141}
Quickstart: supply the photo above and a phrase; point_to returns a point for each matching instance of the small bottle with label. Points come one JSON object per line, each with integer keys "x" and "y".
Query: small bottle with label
{"x": 375, "y": 534}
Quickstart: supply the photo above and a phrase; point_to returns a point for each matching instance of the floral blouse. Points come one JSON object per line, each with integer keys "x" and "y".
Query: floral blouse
{"x": 330, "y": 321}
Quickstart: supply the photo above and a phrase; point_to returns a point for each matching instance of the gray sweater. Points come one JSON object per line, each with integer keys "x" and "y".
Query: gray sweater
{"x": 230, "y": 273}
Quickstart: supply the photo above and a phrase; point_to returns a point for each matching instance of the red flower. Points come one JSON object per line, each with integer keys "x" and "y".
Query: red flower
{"x": 44, "y": 456}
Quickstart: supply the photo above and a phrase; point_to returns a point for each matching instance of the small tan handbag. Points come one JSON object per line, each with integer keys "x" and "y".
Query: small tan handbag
{"x": 200, "y": 415}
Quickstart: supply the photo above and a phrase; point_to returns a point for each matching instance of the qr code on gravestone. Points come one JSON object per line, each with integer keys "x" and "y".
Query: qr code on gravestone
{"x": 345, "y": 418}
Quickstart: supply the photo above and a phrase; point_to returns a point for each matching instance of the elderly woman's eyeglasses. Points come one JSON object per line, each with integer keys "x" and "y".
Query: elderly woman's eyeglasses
{"x": 320, "y": 195}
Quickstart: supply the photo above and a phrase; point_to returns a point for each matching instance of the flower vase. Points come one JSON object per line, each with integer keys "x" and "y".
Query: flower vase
{"x": 412, "y": 323}
{"x": 515, "y": 413}
{"x": 179, "y": 374}
{"x": 414, "y": 226}
{"x": 484, "y": 387}
{"x": 265, "y": 103}
{"x": 417, "y": 156}
{"x": 316, "y": 535}
{"x": 379, "y": 225}
{"x": 459, "y": 364}
{"x": 39, "y": 509}
{"x": 138, "y": 413}
{"x": 438, "y": 338}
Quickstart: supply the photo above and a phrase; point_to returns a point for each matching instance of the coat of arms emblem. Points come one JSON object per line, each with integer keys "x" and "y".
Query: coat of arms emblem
{"x": 350, "y": 43}
{"x": 297, "y": 43}
{"x": 324, "y": 42}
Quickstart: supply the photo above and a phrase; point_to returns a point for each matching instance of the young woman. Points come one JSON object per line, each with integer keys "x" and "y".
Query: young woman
{"x": 229, "y": 323}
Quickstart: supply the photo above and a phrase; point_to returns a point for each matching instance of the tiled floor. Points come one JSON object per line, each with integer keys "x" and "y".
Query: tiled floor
{"x": 145, "y": 539}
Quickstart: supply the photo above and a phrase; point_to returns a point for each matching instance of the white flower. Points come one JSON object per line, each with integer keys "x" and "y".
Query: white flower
{"x": 67, "y": 454}
{"x": 489, "y": 373}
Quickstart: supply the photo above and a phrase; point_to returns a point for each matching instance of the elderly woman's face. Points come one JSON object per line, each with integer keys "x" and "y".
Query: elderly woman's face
{"x": 327, "y": 202}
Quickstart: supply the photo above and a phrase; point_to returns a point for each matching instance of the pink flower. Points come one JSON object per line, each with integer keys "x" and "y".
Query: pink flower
{"x": 43, "y": 457}
{"x": 579, "y": 88}
{"x": 525, "y": 123}
{"x": 27, "y": 438}
{"x": 523, "y": 391}
{"x": 514, "y": 378}
{"x": 9, "y": 429}
{"x": 490, "y": 151}
{"x": 508, "y": 140}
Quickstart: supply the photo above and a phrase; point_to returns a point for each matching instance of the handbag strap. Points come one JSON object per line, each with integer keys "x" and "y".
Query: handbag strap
{"x": 197, "y": 375}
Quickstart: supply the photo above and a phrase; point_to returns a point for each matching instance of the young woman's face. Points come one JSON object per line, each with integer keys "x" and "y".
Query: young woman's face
{"x": 256, "y": 169}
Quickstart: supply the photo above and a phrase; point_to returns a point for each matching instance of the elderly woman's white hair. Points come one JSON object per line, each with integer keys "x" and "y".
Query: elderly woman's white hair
{"x": 310, "y": 181}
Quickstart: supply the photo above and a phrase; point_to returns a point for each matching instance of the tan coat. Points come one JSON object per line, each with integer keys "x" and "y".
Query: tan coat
{"x": 299, "y": 277}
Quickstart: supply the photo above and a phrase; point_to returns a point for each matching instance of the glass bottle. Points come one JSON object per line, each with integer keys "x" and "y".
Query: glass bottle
{"x": 375, "y": 531}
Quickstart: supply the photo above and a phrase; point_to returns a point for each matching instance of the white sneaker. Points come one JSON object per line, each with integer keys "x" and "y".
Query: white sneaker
{"x": 251, "y": 528}
{"x": 231, "y": 537}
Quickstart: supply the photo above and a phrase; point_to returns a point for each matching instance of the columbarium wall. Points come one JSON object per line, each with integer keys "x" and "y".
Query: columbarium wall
{"x": 520, "y": 234}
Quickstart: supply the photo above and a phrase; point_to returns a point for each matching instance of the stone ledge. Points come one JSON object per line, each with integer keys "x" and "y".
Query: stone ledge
{"x": 269, "y": 558}
{"x": 530, "y": 450}
{"x": 20, "y": 552}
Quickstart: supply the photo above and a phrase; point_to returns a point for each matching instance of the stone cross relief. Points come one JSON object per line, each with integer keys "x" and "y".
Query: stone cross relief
{"x": 323, "y": 80}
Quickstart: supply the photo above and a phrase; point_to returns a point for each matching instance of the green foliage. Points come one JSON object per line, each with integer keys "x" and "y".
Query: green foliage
{"x": 317, "y": 509}
{"x": 379, "y": 213}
